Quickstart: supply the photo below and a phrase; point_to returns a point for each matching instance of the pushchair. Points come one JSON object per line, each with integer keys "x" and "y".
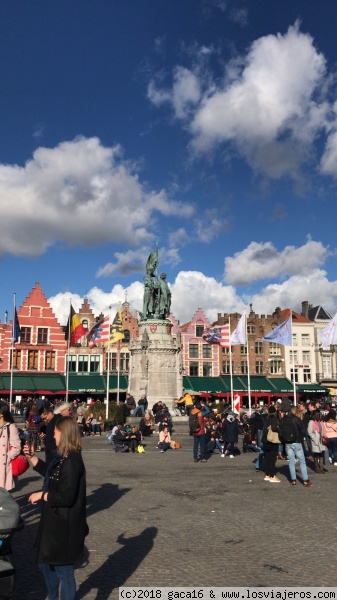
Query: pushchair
{"x": 10, "y": 522}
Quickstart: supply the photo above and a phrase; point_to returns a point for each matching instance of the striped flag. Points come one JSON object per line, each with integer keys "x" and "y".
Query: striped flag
{"x": 75, "y": 329}
{"x": 99, "y": 333}
{"x": 217, "y": 335}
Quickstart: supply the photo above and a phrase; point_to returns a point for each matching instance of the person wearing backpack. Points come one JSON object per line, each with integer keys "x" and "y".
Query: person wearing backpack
{"x": 292, "y": 433}
{"x": 197, "y": 429}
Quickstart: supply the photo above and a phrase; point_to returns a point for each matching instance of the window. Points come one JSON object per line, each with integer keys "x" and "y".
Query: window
{"x": 199, "y": 330}
{"x": 207, "y": 369}
{"x": 194, "y": 369}
{"x": 194, "y": 351}
{"x": 295, "y": 339}
{"x": 250, "y": 328}
{"x": 85, "y": 323}
{"x": 258, "y": 348}
{"x": 42, "y": 335}
{"x": 83, "y": 363}
{"x": 207, "y": 351}
{"x": 243, "y": 349}
{"x": 306, "y": 375}
{"x": 293, "y": 357}
{"x": 244, "y": 367}
{"x": 126, "y": 333}
{"x": 33, "y": 359}
{"x": 306, "y": 356}
{"x": 276, "y": 367}
{"x": 113, "y": 361}
{"x": 305, "y": 339}
{"x": 49, "y": 360}
{"x": 124, "y": 358}
{"x": 71, "y": 358}
{"x": 326, "y": 362}
{"x": 274, "y": 348}
{"x": 16, "y": 359}
{"x": 225, "y": 350}
{"x": 259, "y": 367}
{"x": 25, "y": 335}
{"x": 226, "y": 365}
{"x": 294, "y": 375}
{"x": 94, "y": 364}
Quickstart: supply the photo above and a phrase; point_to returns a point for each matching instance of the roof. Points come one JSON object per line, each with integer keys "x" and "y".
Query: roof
{"x": 318, "y": 313}
{"x": 296, "y": 317}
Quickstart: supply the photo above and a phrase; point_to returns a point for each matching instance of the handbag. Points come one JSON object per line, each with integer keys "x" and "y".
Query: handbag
{"x": 324, "y": 440}
{"x": 20, "y": 463}
{"x": 140, "y": 449}
{"x": 177, "y": 446}
{"x": 273, "y": 436}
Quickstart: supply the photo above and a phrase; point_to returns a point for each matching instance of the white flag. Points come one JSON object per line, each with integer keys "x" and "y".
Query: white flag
{"x": 328, "y": 335}
{"x": 239, "y": 334}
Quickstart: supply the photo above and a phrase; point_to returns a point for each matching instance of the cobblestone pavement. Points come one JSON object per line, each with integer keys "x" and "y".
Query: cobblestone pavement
{"x": 162, "y": 520}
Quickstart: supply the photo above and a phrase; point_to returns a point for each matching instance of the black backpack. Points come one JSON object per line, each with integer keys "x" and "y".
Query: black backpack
{"x": 289, "y": 429}
{"x": 193, "y": 423}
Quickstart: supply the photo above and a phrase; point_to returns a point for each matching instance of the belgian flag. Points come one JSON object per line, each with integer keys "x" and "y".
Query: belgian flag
{"x": 75, "y": 329}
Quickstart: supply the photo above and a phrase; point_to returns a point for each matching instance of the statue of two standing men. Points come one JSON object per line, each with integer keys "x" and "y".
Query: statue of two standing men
{"x": 157, "y": 294}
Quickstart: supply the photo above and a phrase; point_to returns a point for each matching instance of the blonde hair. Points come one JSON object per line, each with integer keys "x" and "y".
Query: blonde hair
{"x": 70, "y": 436}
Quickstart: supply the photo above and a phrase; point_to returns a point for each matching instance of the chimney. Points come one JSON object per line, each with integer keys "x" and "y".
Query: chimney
{"x": 305, "y": 309}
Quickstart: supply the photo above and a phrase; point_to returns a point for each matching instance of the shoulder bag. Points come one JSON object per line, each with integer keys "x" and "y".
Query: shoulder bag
{"x": 273, "y": 436}
{"x": 20, "y": 463}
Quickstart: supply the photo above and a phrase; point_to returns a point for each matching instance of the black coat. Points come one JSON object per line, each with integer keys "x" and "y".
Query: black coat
{"x": 63, "y": 525}
{"x": 271, "y": 420}
{"x": 230, "y": 431}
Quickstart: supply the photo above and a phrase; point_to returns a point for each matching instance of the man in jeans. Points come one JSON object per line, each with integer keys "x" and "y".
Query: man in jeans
{"x": 292, "y": 431}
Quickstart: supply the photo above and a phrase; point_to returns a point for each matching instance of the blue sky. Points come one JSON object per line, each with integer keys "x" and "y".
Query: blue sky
{"x": 208, "y": 126}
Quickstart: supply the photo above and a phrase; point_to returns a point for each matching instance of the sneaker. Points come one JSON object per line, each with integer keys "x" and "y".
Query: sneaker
{"x": 335, "y": 464}
{"x": 223, "y": 456}
{"x": 231, "y": 456}
{"x": 266, "y": 478}
{"x": 274, "y": 479}
{"x": 308, "y": 483}
{"x": 330, "y": 460}
{"x": 293, "y": 482}
{"x": 203, "y": 460}
{"x": 258, "y": 470}
{"x": 162, "y": 451}
{"x": 196, "y": 460}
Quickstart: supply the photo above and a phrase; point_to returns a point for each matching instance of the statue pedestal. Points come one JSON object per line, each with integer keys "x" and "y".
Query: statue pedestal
{"x": 156, "y": 363}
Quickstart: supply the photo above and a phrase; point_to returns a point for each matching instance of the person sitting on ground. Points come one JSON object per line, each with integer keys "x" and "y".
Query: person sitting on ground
{"x": 163, "y": 420}
{"x": 81, "y": 422}
{"x": 142, "y": 406}
{"x": 121, "y": 441}
{"x": 164, "y": 443}
{"x": 157, "y": 407}
{"x": 209, "y": 438}
{"x": 135, "y": 439}
{"x": 130, "y": 402}
{"x": 146, "y": 425}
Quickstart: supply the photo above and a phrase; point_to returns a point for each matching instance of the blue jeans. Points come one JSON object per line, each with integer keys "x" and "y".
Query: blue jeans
{"x": 199, "y": 440}
{"x": 256, "y": 448}
{"x": 59, "y": 575}
{"x": 296, "y": 451}
{"x": 332, "y": 445}
{"x": 220, "y": 445}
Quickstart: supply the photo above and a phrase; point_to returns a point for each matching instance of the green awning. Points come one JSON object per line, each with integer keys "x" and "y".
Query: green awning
{"x": 113, "y": 383}
{"x": 257, "y": 384}
{"x": 52, "y": 382}
{"x": 211, "y": 385}
{"x": 82, "y": 383}
{"x": 311, "y": 388}
{"x": 20, "y": 383}
{"x": 281, "y": 385}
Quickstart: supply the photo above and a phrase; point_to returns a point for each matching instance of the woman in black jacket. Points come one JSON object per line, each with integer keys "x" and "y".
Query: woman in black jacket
{"x": 271, "y": 448}
{"x": 63, "y": 526}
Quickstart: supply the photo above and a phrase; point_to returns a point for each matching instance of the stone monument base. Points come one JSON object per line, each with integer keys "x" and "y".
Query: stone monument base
{"x": 156, "y": 363}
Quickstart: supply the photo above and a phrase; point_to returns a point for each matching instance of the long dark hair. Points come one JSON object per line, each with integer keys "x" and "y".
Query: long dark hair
{"x": 6, "y": 413}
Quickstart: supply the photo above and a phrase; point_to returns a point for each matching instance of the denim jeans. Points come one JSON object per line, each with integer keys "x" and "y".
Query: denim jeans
{"x": 332, "y": 445}
{"x": 220, "y": 446}
{"x": 256, "y": 448}
{"x": 59, "y": 575}
{"x": 199, "y": 440}
{"x": 296, "y": 451}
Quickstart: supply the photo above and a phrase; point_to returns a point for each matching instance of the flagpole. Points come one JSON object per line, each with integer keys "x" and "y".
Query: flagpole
{"x": 67, "y": 354}
{"x": 292, "y": 352}
{"x": 119, "y": 356}
{"x": 12, "y": 356}
{"x": 248, "y": 368}
{"x": 108, "y": 371}
{"x": 230, "y": 363}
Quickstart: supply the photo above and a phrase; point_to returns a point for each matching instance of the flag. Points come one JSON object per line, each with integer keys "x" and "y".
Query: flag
{"x": 75, "y": 329}
{"x": 116, "y": 328}
{"x": 217, "y": 335}
{"x": 282, "y": 334}
{"x": 99, "y": 332}
{"x": 152, "y": 261}
{"x": 239, "y": 334}
{"x": 16, "y": 327}
{"x": 328, "y": 335}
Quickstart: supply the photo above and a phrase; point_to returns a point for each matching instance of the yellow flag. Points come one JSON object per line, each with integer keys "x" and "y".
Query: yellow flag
{"x": 116, "y": 328}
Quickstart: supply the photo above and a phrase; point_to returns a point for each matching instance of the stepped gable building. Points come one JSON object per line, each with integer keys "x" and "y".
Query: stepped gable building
{"x": 199, "y": 358}
{"x": 41, "y": 346}
{"x": 265, "y": 358}
{"x": 300, "y": 358}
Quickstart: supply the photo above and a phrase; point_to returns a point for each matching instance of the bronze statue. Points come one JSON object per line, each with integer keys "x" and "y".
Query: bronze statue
{"x": 157, "y": 295}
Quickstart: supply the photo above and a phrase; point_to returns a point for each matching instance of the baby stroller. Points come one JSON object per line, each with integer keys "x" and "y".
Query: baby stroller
{"x": 10, "y": 522}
